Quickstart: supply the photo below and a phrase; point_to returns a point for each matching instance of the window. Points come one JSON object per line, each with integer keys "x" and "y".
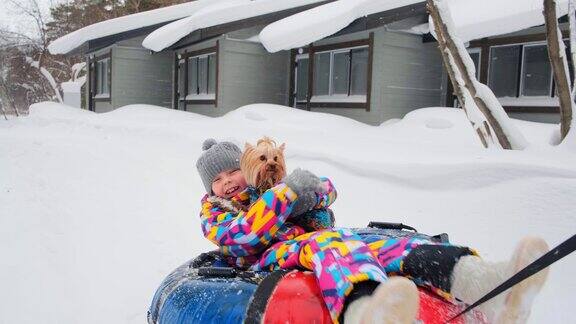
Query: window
{"x": 197, "y": 77}
{"x": 504, "y": 69}
{"x": 322, "y": 74}
{"x": 340, "y": 74}
{"x": 102, "y": 78}
{"x": 536, "y": 78}
{"x": 359, "y": 71}
{"x": 521, "y": 71}
{"x": 181, "y": 78}
{"x": 302, "y": 78}
{"x": 333, "y": 75}
{"x": 475, "y": 54}
{"x": 201, "y": 77}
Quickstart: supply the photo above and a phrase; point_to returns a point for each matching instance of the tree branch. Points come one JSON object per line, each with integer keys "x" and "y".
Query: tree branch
{"x": 559, "y": 63}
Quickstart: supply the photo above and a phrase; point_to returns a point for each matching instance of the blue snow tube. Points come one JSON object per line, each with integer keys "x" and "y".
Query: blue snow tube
{"x": 203, "y": 290}
{"x": 193, "y": 302}
{"x": 207, "y": 290}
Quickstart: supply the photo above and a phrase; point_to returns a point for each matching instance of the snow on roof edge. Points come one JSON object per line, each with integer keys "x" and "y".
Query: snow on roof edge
{"x": 478, "y": 19}
{"x": 77, "y": 38}
{"x": 314, "y": 24}
{"x": 215, "y": 14}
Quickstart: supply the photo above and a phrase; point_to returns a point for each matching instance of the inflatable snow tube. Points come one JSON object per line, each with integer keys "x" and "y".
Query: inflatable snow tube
{"x": 206, "y": 290}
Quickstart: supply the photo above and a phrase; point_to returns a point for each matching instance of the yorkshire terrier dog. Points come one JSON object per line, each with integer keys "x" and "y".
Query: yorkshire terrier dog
{"x": 263, "y": 165}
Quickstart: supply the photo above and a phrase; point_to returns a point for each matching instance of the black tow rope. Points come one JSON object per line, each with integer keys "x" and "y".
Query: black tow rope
{"x": 544, "y": 261}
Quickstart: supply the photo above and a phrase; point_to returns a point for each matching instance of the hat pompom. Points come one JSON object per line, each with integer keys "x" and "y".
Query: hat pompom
{"x": 208, "y": 144}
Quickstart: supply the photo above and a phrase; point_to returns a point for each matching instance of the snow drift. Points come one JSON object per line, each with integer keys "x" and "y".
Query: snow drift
{"x": 97, "y": 208}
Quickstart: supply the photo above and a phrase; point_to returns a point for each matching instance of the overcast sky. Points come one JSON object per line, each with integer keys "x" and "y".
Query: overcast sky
{"x": 11, "y": 18}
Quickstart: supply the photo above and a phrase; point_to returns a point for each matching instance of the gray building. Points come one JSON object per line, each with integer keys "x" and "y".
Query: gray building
{"x": 373, "y": 70}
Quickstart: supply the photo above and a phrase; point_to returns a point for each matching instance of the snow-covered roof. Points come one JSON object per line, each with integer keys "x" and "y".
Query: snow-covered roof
{"x": 306, "y": 27}
{"x": 475, "y": 19}
{"x": 69, "y": 42}
{"x": 217, "y": 13}
{"x": 472, "y": 18}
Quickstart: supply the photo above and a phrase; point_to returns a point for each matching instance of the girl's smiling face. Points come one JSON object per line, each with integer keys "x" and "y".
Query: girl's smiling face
{"x": 228, "y": 183}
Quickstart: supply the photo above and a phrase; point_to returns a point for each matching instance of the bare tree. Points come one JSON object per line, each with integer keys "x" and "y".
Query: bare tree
{"x": 3, "y": 111}
{"x": 557, "y": 55}
{"x": 6, "y": 98}
{"x": 493, "y": 125}
{"x": 36, "y": 75}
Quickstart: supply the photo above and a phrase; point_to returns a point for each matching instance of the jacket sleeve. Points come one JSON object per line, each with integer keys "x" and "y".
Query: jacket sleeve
{"x": 327, "y": 198}
{"x": 248, "y": 233}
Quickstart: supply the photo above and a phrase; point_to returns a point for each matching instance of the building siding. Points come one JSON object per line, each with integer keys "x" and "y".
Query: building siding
{"x": 252, "y": 75}
{"x": 139, "y": 77}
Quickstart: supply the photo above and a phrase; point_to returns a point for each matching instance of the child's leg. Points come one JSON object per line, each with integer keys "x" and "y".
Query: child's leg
{"x": 395, "y": 301}
{"x": 473, "y": 278}
{"x": 426, "y": 262}
{"x": 339, "y": 259}
{"x": 459, "y": 272}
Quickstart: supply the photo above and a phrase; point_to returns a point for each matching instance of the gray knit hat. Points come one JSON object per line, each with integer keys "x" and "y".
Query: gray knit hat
{"x": 217, "y": 157}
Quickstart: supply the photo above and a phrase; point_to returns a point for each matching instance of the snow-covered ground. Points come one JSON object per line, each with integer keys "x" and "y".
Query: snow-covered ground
{"x": 95, "y": 209}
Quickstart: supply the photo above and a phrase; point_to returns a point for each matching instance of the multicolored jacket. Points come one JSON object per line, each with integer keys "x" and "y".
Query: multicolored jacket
{"x": 244, "y": 230}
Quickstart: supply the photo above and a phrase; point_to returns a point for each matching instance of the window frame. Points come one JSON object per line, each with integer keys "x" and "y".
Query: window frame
{"x": 297, "y": 58}
{"x": 199, "y": 96}
{"x": 535, "y": 106}
{"x": 519, "y": 73}
{"x": 518, "y": 103}
{"x": 339, "y": 100}
{"x": 94, "y": 76}
{"x": 185, "y": 99}
{"x": 477, "y": 50}
{"x": 521, "y": 83}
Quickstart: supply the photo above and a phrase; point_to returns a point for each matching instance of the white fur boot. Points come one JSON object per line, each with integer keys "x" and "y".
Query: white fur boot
{"x": 395, "y": 301}
{"x": 355, "y": 310}
{"x": 472, "y": 278}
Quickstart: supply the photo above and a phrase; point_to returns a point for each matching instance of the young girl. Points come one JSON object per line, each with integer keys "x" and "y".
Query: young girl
{"x": 260, "y": 236}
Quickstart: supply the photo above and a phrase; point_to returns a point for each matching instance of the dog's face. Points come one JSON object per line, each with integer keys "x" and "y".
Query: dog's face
{"x": 263, "y": 165}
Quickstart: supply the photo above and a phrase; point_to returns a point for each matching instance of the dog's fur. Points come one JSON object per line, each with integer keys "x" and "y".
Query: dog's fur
{"x": 263, "y": 165}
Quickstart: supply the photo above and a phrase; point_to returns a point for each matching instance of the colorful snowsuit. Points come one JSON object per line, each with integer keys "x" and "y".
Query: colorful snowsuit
{"x": 263, "y": 238}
